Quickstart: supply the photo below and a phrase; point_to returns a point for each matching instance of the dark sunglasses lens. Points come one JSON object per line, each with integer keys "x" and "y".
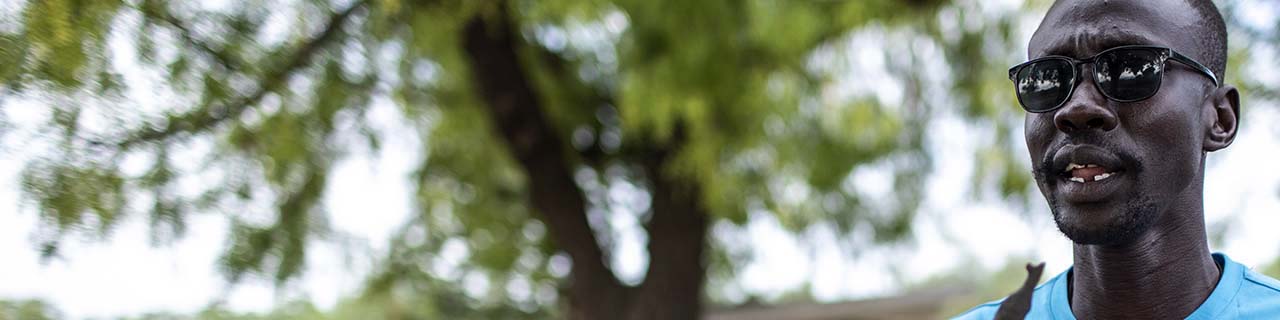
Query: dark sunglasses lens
{"x": 1044, "y": 85}
{"x": 1129, "y": 74}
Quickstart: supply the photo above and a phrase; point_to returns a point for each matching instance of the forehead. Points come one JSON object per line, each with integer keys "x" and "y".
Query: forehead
{"x": 1081, "y": 28}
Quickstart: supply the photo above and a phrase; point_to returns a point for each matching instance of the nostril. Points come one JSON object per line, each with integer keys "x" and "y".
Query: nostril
{"x": 1095, "y": 123}
{"x": 1068, "y": 125}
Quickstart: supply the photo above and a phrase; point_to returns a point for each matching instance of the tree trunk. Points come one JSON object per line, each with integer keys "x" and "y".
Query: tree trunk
{"x": 677, "y": 230}
{"x": 677, "y": 237}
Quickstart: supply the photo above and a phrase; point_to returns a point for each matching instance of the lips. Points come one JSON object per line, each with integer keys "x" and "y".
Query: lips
{"x": 1086, "y": 163}
{"x": 1088, "y": 174}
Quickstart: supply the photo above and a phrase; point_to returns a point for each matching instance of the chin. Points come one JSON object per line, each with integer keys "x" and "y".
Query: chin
{"x": 1104, "y": 223}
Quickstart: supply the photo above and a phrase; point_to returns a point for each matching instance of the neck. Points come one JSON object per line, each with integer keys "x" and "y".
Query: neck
{"x": 1164, "y": 274}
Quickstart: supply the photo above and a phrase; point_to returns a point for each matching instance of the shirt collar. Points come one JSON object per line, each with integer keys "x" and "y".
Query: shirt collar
{"x": 1224, "y": 294}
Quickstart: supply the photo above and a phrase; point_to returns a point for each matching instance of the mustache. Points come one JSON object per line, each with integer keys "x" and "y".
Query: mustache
{"x": 1044, "y": 169}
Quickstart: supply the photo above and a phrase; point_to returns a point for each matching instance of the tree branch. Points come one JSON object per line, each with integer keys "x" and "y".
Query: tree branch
{"x": 517, "y": 113}
{"x": 204, "y": 118}
{"x": 158, "y": 12}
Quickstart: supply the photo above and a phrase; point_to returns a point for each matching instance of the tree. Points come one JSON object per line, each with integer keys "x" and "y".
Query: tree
{"x": 27, "y": 310}
{"x": 532, "y": 115}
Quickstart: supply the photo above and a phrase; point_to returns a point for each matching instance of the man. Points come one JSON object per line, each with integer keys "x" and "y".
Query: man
{"x": 1123, "y": 101}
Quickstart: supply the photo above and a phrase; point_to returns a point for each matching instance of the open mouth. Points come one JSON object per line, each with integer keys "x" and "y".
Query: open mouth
{"x": 1088, "y": 173}
{"x": 1084, "y": 165}
{"x": 1084, "y": 174}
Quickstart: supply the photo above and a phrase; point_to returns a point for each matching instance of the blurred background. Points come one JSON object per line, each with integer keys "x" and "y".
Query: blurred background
{"x": 519, "y": 159}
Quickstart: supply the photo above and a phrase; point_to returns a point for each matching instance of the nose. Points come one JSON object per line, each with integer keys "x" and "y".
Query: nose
{"x": 1086, "y": 110}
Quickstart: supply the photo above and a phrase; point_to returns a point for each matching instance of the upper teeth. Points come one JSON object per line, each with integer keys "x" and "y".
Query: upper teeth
{"x": 1073, "y": 166}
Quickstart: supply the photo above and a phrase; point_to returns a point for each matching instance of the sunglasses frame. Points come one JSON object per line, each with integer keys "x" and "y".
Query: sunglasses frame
{"x": 1165, "y": 54}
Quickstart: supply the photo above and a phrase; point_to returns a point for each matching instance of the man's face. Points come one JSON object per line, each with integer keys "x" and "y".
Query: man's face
{"x": 1148, "y": 152}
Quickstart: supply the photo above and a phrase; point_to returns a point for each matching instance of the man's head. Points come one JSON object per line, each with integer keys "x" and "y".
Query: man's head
{"x": 1141, "y": 158}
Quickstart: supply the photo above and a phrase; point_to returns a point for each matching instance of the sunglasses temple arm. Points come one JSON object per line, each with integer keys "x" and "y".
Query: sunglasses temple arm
{"x": 1199, "y": 67}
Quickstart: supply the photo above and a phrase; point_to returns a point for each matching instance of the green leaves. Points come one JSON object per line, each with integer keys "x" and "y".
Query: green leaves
{"x": 279, "y": 247}
{"x": 63, "y": 36}
{"x": 28, "y": 310}
{"x": 70, "y": 195}
{"x": 743, "y": 95}
{"x": 13, "y": 55}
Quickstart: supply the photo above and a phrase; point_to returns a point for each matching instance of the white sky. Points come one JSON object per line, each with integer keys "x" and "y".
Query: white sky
{"x": 369, "y": 197}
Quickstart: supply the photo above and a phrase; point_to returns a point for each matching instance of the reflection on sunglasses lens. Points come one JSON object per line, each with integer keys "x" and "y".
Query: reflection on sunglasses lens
{"x": 1123, "y": 75}
{"x": 1044, "y": 85}
{"x": 1129, "y": 75}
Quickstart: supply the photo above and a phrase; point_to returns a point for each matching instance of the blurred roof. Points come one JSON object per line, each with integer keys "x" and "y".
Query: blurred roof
{"x": 919, "y": 304}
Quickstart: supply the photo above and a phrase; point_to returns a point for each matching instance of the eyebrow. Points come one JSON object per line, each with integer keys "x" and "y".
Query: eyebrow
{"x": 1087, "y": 43}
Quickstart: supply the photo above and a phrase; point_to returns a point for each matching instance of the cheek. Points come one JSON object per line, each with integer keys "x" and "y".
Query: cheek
{"x": 1169, "y": 140}
{"x": 1038, "y": 130}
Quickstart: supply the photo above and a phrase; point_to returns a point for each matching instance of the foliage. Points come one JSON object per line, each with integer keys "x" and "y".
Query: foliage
{"x": 350, "y": 308}
{"x": 27, "y": 310}
{"x": 260, "y": 100}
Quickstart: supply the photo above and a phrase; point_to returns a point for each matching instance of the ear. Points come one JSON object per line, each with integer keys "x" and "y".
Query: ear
{"x": 1222, "y": 118}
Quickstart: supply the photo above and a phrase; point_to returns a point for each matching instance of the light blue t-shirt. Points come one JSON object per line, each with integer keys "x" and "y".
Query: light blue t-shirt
{"x": 1241, "y": 294}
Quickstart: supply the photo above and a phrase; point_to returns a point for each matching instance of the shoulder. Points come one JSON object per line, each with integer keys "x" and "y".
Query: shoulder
{"x": 1261, "y": 282}
{"x": 1040, "y": 303}
{"x": 1249, "y": 294}
{"x": 1259, "y": 296}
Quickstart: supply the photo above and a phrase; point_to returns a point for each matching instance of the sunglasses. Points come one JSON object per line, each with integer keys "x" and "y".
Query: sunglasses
{"x": 1122, "y": 74}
